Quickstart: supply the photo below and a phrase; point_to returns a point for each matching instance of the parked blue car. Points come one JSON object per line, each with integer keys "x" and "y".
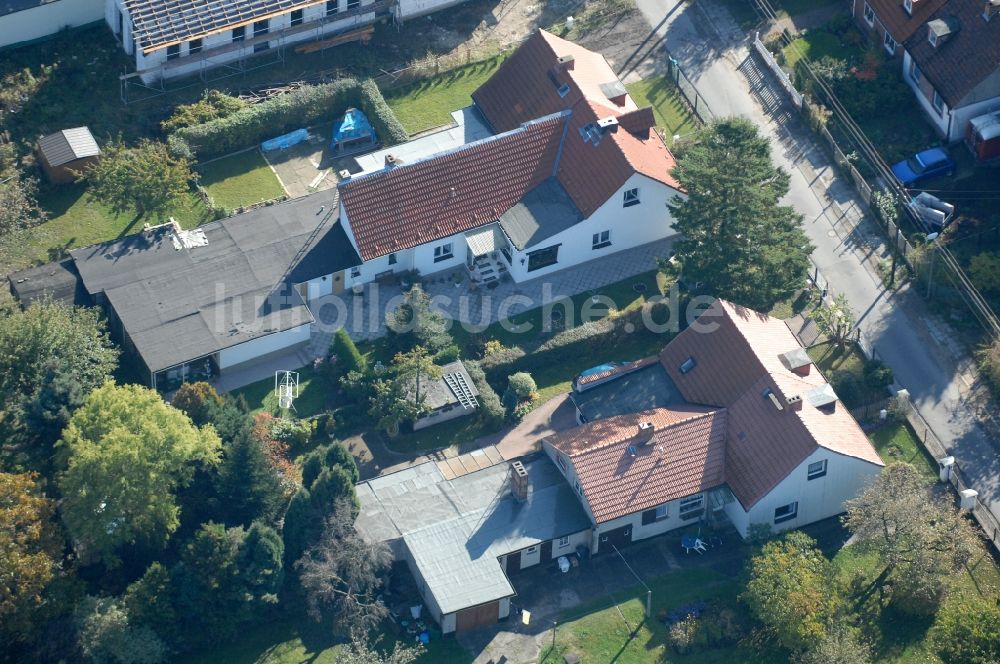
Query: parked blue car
{"x": 924, "y": 164}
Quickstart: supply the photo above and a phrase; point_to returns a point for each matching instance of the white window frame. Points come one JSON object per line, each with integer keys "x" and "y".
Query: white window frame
{"x": 908, "y": 6}
{"x": 691, "y": 507}
{"x": 663, "y": 511}
{"x": 869, "y": 15}
{"x": 937, "y": 101}
{"x": 600, "y": 240}
{"x": 915, "y": 72}
{"x": 443, "y": 252}
{"x": 531, "y": 549}
{"x": 932, "y": 38}
{"x": 790, "y": 515}
{"x": 889, "y": 43}
{"x": 564, "y": 541}
{"x": 816, "y": 470}
{"x": 631, "y": 197}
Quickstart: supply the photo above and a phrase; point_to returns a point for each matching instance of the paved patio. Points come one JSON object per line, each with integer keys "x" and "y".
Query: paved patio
{"x": 364, "y": 315}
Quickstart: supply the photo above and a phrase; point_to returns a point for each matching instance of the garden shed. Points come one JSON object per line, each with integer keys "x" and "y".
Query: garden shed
{"x": 67, "y": 151}
{"x": 353, "y": 133}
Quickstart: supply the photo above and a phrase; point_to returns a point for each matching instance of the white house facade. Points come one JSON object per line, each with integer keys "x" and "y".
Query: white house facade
{"x": 23, "y": 21}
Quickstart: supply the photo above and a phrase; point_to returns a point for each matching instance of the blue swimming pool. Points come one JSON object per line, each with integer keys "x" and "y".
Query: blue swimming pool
{"x": 598, "y": 369}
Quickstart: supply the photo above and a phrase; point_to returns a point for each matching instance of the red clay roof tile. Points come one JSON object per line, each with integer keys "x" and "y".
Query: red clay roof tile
{"x": 412, "y": 204}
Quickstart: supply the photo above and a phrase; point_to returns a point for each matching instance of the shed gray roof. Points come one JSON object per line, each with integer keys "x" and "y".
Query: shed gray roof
{"x": 58, "y": 280}
{"x": 68, "y": 145}
{"x": 180, "y": 305}
{"x": 456, "y": 530}
{"x": 543, "y": 212}
{"x": 632, "y": 392}
{"x": 437, "y": 394}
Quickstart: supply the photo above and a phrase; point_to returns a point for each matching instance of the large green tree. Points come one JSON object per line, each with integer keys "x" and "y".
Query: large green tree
{"x": 918, "y": 539}
{"x": 145, "y": 179}
{"x": 30, "y": 553}
{"x": 791, "y": 590}
{"x": 18, "y": 207}
{"x": 126, "y": 452}
{"x": 342, "y": 575}
{"x": 736, "y": 240}
{"x": 416, "y": 323}
{"x": 106, "y": 637}
{"x": 247, "y": 484}
{"x": 51, "y": 356}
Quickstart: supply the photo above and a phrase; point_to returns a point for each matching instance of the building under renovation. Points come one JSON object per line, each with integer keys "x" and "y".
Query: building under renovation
{"x": 176, "y": 38}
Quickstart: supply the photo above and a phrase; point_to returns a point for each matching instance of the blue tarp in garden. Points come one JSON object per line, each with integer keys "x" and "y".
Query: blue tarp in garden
{"x": 285, "y": 141}
{"x": 352, "y": 130}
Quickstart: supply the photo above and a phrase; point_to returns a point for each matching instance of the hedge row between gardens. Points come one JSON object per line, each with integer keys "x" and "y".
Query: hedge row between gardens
{"x": 593, "y": 338}
{"x": 302, "y": 107}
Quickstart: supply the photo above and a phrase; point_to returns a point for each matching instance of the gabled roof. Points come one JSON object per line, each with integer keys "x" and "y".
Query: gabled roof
{"x": 68, "y": 145}
{"x": 901, "y": 25}
{"x": 963, "y": 59}
{"x": 739, "y": 376}
{"x": 528, "y": 85}
{"x": 455, "y": 191}
{"x": 160, "y": 23}
{"x": 620, "y": 476}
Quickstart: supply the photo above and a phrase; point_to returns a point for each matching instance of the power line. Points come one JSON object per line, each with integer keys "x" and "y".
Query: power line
{"x": 972, "y": 297}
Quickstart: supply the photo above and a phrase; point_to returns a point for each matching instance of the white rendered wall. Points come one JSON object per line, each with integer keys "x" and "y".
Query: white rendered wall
{"x": 629, "y": 226}
{"x": 44, "y": 20}
{"x": 249, "y": 350}
{"x": 818, "y": 499}
{"x": 572, "y": 541}
{"x": 640, "y": 531}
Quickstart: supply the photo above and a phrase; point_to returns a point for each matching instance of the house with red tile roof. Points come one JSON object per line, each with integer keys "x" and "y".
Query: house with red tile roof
{"x": 747, "y": 428}
{"x": 952, "y": 63}
{"x": 570, "y": 169}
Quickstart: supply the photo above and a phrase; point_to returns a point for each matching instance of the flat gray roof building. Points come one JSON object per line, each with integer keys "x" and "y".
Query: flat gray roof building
{"x": 454, "y": 532}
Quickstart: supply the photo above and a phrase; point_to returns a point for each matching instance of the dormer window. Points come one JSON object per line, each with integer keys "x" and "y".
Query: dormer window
{"x": 908, "y": 6}
{"x": 591, "y": 133}
{"x": 932, "y": 38}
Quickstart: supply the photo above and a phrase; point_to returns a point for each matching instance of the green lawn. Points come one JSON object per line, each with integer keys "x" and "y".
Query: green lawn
{"x": 897, "y": 442}
{"x": 240, "y": 180}
{"x": 525, "y": 328}
{"x": 76, "y": 221}
{"x": 302, "y": 640}
{"x": 454, "y": 432}
{"x": 672, "y": 114}
{"x": 833, "y": 361}
{"x": 314, "y": 394}
{"x": 816, "y": 44}
{"x": 602, "y": 635}
{"x": 429, "y": 103}
{"x": 796, "y": 7}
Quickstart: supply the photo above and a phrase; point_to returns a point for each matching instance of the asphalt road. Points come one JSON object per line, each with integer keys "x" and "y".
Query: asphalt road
{"x": 711, "y": 49}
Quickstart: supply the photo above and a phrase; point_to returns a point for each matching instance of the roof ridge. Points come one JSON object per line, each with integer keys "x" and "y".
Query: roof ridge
{"x": 671, "y": 425}
{"x": 563, "y": 115}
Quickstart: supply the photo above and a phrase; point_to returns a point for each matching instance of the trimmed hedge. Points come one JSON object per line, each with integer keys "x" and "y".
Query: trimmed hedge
{"x": 593, "y": 338}
{"x": 491, "y": 410}
{"x": 302, "y": 107}
{"x": 384, "y": 121}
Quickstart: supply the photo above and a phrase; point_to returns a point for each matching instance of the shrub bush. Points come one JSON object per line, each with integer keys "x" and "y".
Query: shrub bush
{"x": 682, "y": 634}
{"x": 344, "y": 355}
{"x": 501, "y": 358}
{"x": 291, "y": 432}
{"x": 213, "y": 104}
{"x": 522, "y": 384}
{"x": 299, "y": 108}
{"x": 878, "y": 374}
{"x": 449, "y": 353}
{"x": 989, "y": 364}
{"x": 845, "y": 384}
{"x": 491, "y": 410}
